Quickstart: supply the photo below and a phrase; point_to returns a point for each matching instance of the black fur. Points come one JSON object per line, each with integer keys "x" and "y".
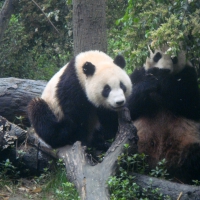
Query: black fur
{"x": 88, "y": 69}
{"x": 109, "y": 123}
{"x": 106, "y": 91}
{"x": 157, "y": 89}
{"x": 157, "y": 57}
{"x": 189, "y": 165}
{"x": 46, "y": 125}
{"x": 120, "y": 61}
{"x": 122, "y": 86}
{"x": 74, "y": 104}
{"x": 175, "y": 60}
{"x": 77, "y": 111}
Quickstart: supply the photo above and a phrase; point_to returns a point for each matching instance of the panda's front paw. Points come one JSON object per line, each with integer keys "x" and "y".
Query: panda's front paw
{"x": 103, "y": 146}
{"x": 151, "y": 83}
{"x": 157, "y": 72}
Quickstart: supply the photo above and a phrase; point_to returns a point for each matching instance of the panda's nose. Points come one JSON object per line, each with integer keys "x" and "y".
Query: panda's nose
{"x": 119, "y": 103}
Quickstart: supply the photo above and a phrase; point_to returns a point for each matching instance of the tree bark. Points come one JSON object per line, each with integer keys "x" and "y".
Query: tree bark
{"x": 15, "y": 95}
{"x": 89, "y": 25}
{"x": 5, "y": 15}
{"x": 174, "y": 190}
{"x": 24, "y": 149}
{"x": 91, "y": 180}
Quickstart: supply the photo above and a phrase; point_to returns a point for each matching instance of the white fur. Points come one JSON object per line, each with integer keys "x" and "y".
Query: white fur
{"x": 106, "y": 72}
{"x": 95, "y": 57}
{"x": 49, "y": 94}
{"x": 164, "y": 63}
{"x": 182, "y": 61}
{"x": 116, "y": 95}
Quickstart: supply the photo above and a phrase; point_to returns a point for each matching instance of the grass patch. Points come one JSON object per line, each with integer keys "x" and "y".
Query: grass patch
{"x": 58, "y": 186}
{"x": 123, "y": 186}
{"x": 50, "y": 185}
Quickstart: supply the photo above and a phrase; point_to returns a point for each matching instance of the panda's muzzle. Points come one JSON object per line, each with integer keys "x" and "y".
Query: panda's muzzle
{"x": 118, "y": 105}
{"x": 116, "y": 99}
{"x": 117, "y": 108}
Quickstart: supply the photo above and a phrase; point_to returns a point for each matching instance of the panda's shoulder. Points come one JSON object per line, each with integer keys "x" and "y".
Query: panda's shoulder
{"x": 188, "y": 72}
{"x": 137, "y": 75}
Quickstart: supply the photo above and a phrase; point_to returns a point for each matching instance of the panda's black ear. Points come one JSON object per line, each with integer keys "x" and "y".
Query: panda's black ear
{"x": 88, "y": 69}
{"x": 120, "y": 61}
{"x": 157, "y": 57}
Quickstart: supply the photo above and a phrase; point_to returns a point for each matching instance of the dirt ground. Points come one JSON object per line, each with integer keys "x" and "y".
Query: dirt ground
{"x": 24, "y": 190}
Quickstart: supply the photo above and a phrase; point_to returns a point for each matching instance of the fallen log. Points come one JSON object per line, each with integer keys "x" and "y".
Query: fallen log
{"x": 176, "y": 191}
{"x": 15, "y": 94}
{"x": 22, "y": 148}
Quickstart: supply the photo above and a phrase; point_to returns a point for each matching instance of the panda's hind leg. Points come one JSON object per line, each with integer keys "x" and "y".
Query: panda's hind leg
{"x": 46, "y": 124}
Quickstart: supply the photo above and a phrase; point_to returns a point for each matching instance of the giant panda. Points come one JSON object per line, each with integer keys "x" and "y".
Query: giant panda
{"x": 78, "y": 97}
{"x": 176, "y": 139}
{"x": 165, "y": 83}
{"x": 165, "y": 109}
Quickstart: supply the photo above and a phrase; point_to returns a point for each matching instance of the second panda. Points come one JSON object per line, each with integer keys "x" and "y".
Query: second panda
{"x": 92, "y": 87}
{"x": 164, "y": 107}
{"x": 165, "y": 83}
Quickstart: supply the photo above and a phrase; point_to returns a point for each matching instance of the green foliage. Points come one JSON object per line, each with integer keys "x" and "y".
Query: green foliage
{"x": 31, "y": 47}
{"x": 115, "y": 9}
{"x": 67, "y": 192}
{"x": 51, "y": 184}
{"x": 175, "y": 23}
{"x": 7, "y": 169}
{"x": 57, "y": 184}
{"x": 196, "y": 182}
{"x": 160, "y": 170}
{"x": 124, "y": 187}
{"x": 132, "y": 163}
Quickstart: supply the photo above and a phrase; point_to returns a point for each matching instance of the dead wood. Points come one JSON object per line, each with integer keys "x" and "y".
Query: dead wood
{"x": 176, "y": 191}
{"x": 24, "y": 149}
{"x": 15, "y": 95}
{"x": 91, "y": 180}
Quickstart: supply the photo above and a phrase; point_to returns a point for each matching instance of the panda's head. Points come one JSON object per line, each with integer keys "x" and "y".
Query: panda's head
{"x": 180, "y": 62}
{"x": 103, "y": 79}
{"x": 163, "y": 60}
{"x": 160, "y": 60}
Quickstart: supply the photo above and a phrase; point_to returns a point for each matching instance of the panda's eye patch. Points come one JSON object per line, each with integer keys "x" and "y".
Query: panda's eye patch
{"x": 174, "y": 60}
{"x": 106, "y": 91}
{"x": 157, "y": 57}
{"x": 122, "y": 86}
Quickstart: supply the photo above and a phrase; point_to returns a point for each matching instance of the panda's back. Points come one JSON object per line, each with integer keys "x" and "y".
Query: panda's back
{"x": 49, "y": 93}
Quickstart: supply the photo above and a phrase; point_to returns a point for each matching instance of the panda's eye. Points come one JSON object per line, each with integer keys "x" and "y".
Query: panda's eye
{"x": 157, "y": 57}
{"x": 174, "y": 60}
{"x": 122, "y": 86}
{"x": 106, "y": 91}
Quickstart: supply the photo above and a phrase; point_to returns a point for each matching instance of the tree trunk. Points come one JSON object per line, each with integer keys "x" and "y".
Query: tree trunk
{"x": 15, "y": 95}
{"x": 89, "y": 25}
{"x": 91, "y": 181}
{"x": 5, "y": 15}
